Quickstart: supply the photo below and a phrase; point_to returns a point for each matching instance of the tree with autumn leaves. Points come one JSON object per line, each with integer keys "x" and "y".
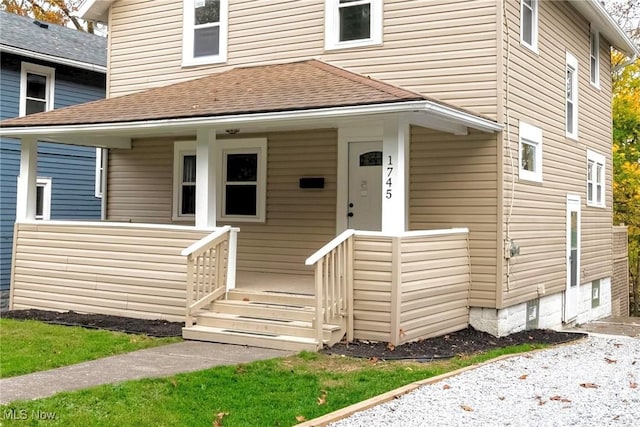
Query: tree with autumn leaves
{"x": 61, "y": 12}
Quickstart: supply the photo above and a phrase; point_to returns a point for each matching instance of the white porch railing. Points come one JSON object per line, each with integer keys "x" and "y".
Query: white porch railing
{"x": 208, "y": 275}
{"x": 334, "y": 284}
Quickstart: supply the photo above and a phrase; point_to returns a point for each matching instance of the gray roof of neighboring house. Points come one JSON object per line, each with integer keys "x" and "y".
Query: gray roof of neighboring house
{"x": 54, "y": 43}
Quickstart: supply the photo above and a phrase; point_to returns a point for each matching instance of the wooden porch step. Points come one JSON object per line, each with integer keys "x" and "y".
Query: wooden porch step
{"x": 264, "y": 310}
{"x": 250, "y": 338}
{"x": 271, "y": 297}
{"x": 255, "y": 323}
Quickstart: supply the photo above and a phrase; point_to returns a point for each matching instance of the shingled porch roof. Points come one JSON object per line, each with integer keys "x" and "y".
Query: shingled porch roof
{"x": 310, "y": 84}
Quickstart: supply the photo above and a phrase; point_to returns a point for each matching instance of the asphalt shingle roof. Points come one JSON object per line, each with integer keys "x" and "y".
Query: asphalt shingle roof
{"x": 303, "y": 85}
{"x": 57, "y": 41}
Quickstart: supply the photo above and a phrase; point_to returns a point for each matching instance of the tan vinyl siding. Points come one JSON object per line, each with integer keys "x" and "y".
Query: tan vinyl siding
{"x": 435, "y": 285}
{"x": 453, "y": 183}
{"x": 299, "y": 221}
{"x": 117, "y": 270}
{"x": 537, "y": 221}
{"x": 441, "y": 48}
{"x": 372, "y": 287}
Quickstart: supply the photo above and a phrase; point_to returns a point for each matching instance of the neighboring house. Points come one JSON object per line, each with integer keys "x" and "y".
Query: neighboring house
{"x": 43, "y": 67}
{"x": 460, "y": 152}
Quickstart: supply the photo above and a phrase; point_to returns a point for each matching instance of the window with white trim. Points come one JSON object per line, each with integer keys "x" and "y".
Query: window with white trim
{"x": 242, "y": 178}
{"x": 43, "y": 198}
{"x": 530, "y": 153}
{"x": 594, "y": 58}
{"x": 571, "y": 95}
{"x": 101, "y": 158}
{"x": 352, "y": 23}
{"x": 529, "y": 24}
{"x": 184, "y": 180}
{"x": 204, "y": 32}
{"x": 36, "y": 88}
{"x": 595, "y": 179}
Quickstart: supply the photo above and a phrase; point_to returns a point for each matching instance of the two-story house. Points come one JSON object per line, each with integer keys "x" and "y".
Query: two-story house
{"x": 45, "y": 66}
{"x": 460, "y": 152}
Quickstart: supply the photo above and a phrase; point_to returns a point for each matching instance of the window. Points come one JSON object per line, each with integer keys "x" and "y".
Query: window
{"x": 101, "y": 159}
{"x": 595, "y": 58}
{"x": 529, "y": 24}
{"x": 184, "y": 180}
{"x": 242, "y": 177}
{"x": 530, "y": 156}
{"x": 352, "y": 23}
{"x": 595, "y": 179}
{"x": 571, "y": 85}
{"x": 204, "y": 32}
{"x": 36, "y": 88}
{"x": 43, "y": 198}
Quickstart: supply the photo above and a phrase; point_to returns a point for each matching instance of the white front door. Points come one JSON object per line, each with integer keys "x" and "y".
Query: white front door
{"x": 571, "y": 296}
{"x": 365, "y": 186}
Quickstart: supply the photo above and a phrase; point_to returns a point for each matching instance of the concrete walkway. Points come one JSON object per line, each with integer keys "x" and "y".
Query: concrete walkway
{"x": 627, "y": 326}
{"x": 161, "y": 361}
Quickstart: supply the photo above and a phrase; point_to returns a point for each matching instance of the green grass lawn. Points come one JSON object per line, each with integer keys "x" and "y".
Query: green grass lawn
{"x": 30, "y": 346}
{"x": 276, "y": 392}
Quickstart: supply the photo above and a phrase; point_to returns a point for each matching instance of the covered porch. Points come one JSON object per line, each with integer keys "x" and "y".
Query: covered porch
{"x": 248, "y": 255}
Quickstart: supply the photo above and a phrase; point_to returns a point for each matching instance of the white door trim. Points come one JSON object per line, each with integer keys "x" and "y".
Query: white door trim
{"x": 572, "y": 293}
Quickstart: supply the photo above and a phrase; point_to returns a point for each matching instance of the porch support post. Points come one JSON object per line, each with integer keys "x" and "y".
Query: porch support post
{"x": 395, "y": 151}
{"x": 26, "y": 197}
{"x": 205, "y": 178}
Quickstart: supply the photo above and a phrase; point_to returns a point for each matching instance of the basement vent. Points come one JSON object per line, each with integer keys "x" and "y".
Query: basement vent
{"x": 595, "y": 293}
{"x": 533, "y": 311}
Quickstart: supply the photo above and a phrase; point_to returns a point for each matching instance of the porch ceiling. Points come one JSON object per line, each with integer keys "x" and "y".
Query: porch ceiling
{"x": 307, "y": 93}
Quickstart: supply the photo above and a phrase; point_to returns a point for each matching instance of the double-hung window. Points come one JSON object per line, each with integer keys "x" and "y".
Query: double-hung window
{"x": 352, "y": 23}
{"x": 571, "y": 95}
{"x": 595, "y": 179}
{"x": 184, "y": 180}
{"x": 204, "y": 32}
{"x": 594, "y": 58}
{"x": 529, "y": 24}
{"x": 530, "y": 156}
{"x": 242, "y": 179}
{"x": 36, "y": 88}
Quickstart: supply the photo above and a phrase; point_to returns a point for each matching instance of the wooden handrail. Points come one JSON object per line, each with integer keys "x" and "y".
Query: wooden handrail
{"x": 320, "y": 253}
{"x": 209, "y": 264}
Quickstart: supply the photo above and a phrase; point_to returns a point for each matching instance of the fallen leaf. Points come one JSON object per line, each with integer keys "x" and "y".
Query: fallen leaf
{"x": 391, "y": 347}
{"x": 240, "y": 369}
{"x": 401, "y": 333}
{"x": 565, "y": 400}
{"x": 501, "y": 397}
{"x": 617, "y": 345}
{"x": 633, "y": 385}
{"x": 300, "y": 418}
{"x": 446, "y": 387}
{"x": 219, "y": 416}
{"x": 589, "y": 385}
{"x": 610, "y": 360}
{"x": 617, "y": 417}
{"x": 523, "y": 377}
{"x": 373, "y": 360}
{"x": 555, "y": 398}
{"x": 540, "y": 401}
{"x": 323, "y": 398}
{"x": 467, "y": 408}
{"x": 174, "y": 383}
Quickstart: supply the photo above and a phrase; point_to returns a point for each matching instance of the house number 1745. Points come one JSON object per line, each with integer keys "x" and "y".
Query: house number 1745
{"x": 389, "y": 193}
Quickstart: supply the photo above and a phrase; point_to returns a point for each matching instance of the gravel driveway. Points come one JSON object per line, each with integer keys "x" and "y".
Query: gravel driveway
{"x": 595, "y": 382}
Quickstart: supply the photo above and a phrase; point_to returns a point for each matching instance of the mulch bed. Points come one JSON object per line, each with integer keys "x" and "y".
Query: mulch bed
{"x": 466, "y": 341}
{"x": 154, "y": 328}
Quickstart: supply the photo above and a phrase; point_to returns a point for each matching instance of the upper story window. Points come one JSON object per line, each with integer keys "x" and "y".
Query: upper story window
{"x": 204, "y": 32}
{"x": 352, "y": 23}
{"x": 595, "y": 58}
{"x": 571, "y": 89}
{"x": 595, "y": 179}
{"x": 36, "y": 88}
{"x": 529, "y": 24}
{"x": 530, "y": 152}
